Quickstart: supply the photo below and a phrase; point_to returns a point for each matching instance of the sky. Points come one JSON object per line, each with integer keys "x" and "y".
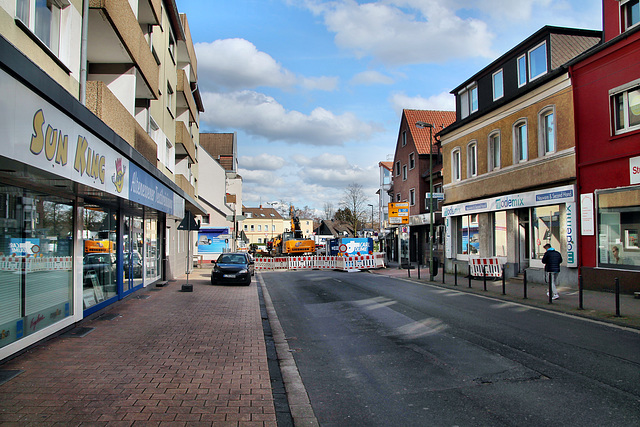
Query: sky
{"x": 315, "y": 89}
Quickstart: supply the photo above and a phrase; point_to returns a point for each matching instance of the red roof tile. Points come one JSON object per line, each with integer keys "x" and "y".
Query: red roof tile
{"x": 439, "y": 119}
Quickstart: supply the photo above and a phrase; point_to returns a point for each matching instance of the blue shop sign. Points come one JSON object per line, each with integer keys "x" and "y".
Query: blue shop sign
{"x": 148, "y": 191}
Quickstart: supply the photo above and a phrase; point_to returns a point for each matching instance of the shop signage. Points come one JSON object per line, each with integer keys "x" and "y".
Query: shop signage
{"x": 565, "y": 194}
{"x": 148, "y": 191}
{"x": 572, "y": 240}
{"x": 39, "y": 134}
{"x": 634, "y": 170}
{"x": 587, "y": 224}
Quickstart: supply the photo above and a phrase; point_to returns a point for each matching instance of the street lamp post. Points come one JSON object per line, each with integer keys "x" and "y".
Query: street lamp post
{"x": 430, "y": 126}
{"x": 372, "y": 229}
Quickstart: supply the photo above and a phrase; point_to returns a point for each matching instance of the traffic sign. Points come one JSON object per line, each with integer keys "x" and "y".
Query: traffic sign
{"x": 399, "y": 213}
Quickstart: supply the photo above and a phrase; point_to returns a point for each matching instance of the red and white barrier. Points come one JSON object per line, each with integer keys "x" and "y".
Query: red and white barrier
{"x": 33, "y": 264}
{"x": 478, "y": 267}
{"x": 321, "y": 262}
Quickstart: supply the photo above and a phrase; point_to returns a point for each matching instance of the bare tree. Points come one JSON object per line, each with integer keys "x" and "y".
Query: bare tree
{"x": 354, "y": 200}
{"x": 328, "y": 210}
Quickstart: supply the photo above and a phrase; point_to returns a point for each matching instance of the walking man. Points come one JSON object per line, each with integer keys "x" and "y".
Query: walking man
{"x": 552, "y": 260}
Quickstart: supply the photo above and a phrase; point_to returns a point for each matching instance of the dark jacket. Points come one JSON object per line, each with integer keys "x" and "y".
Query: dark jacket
{"x": 552, "y": 260}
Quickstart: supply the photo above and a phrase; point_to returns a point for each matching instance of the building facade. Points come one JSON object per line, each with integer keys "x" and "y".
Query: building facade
{"x": 416, "y": 161}
{"x": 509, "y": 159}
{"x": 89, "y": 213}
{"x": 606, "y": 94}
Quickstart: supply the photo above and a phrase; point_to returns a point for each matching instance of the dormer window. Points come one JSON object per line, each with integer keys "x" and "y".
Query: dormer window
{"x": 538, "y": 61}
{"x": 629, "y": 13}
{"x": 468, "y": 100}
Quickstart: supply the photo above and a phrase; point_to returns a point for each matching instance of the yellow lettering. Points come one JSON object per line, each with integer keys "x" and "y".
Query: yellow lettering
{"x": 81, "y": 161}
{"x": 102, "y": 160}
{"x": 95, "y": 168}
{"x": 89, "y": 162}
{"x": 37, "y": 139}
{"x": 61, "y": 153}
{"x": 50, "y": 142}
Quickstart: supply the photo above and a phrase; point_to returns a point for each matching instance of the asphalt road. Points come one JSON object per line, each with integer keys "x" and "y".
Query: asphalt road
{"x": 377, "y": 351}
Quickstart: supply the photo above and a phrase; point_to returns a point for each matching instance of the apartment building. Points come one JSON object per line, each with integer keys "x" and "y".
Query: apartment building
{"x": 100, "y": 114}
{"x": 263, "y": 224}
{"x": 415, "y": 153}
{"x": 509, "y": 158}
{"x": 606, "y": 95}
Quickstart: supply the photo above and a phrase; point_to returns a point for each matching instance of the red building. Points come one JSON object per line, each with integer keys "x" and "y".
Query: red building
{"x": 606, "y": 90}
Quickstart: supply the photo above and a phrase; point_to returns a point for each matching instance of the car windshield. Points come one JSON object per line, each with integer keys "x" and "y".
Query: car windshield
{"x": 97, "y": 259}
{"x": 232, "y": 259}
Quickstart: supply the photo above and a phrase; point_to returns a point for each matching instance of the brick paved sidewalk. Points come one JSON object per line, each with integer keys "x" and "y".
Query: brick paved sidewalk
{"x": 168, "y": 358}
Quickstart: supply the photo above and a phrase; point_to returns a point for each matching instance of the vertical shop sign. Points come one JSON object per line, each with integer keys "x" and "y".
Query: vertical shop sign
{"x": 587, "y": 227}
{"x": 572, "y": 240}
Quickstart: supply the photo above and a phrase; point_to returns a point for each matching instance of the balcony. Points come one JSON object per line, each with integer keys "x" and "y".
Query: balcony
{"x": 116, "y": 44}
{"x": 185, "y": 99}
{"x": 184, "y": 143}
{"x": 183, "y": 182}
{"x": 110, "y": 110}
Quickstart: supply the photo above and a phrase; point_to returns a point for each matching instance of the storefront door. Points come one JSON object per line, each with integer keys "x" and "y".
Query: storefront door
{"x": 523, "y": 239}
{"x": 132, "y": 253}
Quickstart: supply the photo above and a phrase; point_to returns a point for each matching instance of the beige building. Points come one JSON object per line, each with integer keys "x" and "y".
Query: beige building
{"x": 263, "y": 224}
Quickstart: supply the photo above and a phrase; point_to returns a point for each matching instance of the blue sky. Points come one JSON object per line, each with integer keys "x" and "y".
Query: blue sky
{"x": 315, "y": 89}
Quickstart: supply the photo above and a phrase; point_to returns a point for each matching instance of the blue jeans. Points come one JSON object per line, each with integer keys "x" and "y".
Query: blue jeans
{"x": 553, "y": 279}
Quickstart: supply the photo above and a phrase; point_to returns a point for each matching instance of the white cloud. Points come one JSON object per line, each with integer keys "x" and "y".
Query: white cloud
{"x": 398, "y": 32}
{"x": 332, "y": 171}
{"x": 261, "y": 177}
{"x": 371, "y": 78}
{"x": 443, "y": 101}
{"x": 264, "y": 161}
{"x": 261, "y": 115}
{"x": 238, "y": 64}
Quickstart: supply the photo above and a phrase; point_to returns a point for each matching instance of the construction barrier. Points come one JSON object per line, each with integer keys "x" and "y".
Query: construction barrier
{"x": 479, "y": 266}
{"x": 33, "y": 264}
{"x": 321, "y": 262}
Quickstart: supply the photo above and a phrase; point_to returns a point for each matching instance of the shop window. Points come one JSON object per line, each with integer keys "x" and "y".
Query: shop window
{"x": 630, "y": 13}
{"x": 133, "y": 251}
{"x": 545, "y": 224}
{"x": 36, "y": 280}
{"x": 547, "y": 132}
{"x": 468, "y": 236}
{"x": 152, "y": 250}
{"x": 499, "y": 233}
{"x": 494, "y": 150}
{"x": 42, "y": 18}
{"x": 619, "y": 228}
{"x": 99, "y": 269}
{"x": 626, "y": 109}
{"x": 498, "y": 85}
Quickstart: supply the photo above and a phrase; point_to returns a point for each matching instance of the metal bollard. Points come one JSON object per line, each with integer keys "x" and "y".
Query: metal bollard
{"x": 484, "y": 277}
{"x": 525, "y": 284}
{"x": 617, "y": 297}
{"x": 549, "y": 290}
{"x": 455, "y": 274}
{"x": 580, "y": 293}
{"x": 504, "y": 285}
{"x": 418, "y": 270}
{"x": 469, "y": 278}
{"x": 443, "y": 271}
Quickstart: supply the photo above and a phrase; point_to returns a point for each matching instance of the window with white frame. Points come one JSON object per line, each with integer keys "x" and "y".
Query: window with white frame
{"x": 629, "y": 13}
{"x": 520, "y": 142}
{"x": 472, "y": 159}
{"x": 259, "y": 227}
{"x": 547, "y": 131}
{"x": 626, "y": 107}
{"x": 412, "y": 196}
{"x": 397, "y": 168}
{"x": 455, "y": 165}
{"x": 42, "y": 17}
{"x": 498, "y": 85}
{"x": 522, "y": 70}
{"x": 253, "y": 227}
{"x": 404, "y": 138}
{"x": 412, "y": 161}
{"x": 404, "y": 172}
{"x": 468, "y": 100}
{"x": 494, "y": 150}
{"x": 538, "y": 61}
{"x": 170, "y": 160}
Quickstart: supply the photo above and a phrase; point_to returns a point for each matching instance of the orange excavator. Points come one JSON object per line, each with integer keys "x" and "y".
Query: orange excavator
{"x": 292, "y": 242}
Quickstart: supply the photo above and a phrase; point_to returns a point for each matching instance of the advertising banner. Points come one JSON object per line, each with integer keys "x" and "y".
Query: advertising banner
{"x": 212, "y": 240}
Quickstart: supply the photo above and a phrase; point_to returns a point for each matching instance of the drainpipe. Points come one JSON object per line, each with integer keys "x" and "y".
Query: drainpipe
{"x": 83, "y": 52}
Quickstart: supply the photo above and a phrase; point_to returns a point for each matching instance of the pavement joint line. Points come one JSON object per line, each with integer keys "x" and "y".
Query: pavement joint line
{"x": 496, "y": 298}
{"x": 302, "y": 411}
